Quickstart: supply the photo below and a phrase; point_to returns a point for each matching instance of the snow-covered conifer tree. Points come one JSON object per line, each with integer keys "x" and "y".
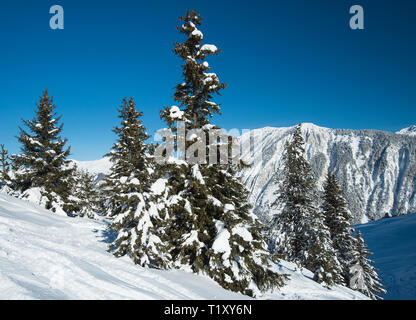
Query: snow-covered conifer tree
{"x": 128, "y": 187}
{"x": 364, "y": 277}
{"x": 211, "y": 229}
{"x": 320, "y": 255}
{"x": 43, "y": 160}
{"x": 337, "y": 219}
{"x": 4, "y": 166}
{"x": 298, "y": 233}
{"x": 288, "y": 230}
{"x": 84, "y": 199}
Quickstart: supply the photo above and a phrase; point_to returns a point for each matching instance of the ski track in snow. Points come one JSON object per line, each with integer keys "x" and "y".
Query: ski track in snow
{"x": 46, "y": 256}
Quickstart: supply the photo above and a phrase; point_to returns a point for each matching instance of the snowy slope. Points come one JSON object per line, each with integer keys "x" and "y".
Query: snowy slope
{"x": 376, "y": 169}
{"x": 96, "y": 166}
{"x": 45, "y": 256}
{"x": 393, "y": 242}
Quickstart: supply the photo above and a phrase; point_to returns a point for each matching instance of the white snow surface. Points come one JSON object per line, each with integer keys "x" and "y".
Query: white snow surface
{"x": 197, "y": 33}
{"x": 176, "y": 113}
{"x": 95, "y": 167}
{"x": 159, "y": 186}
{"x": 209, "y": 48}
{"x": 411, "y": 131}
{"x": 46, "y": 256}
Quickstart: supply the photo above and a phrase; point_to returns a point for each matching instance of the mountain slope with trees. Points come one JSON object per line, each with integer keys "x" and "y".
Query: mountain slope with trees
{"x": 47, "y": 256}
{"x": 374, "y": 168}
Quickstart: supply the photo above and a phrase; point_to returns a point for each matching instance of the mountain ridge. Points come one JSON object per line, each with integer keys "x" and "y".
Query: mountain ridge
{"x": 375, "y": 168}
{"x": 409, "y": 131}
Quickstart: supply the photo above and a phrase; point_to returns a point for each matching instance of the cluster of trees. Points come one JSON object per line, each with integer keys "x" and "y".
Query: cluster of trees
{"x": 43, "y": 166}
{"x": 193, "y": 216}
{"x": 315, "y": 232}
{"x": 177, "y": 214}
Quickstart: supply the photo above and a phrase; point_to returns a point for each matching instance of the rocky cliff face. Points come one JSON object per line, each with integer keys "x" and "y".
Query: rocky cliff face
{"x": 376, "y": 169}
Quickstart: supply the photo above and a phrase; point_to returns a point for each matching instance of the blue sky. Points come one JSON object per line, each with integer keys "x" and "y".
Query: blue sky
{"x": 285, "y": 62}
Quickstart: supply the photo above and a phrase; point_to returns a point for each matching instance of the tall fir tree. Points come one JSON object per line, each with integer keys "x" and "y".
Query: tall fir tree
{"x": 211, "y": 229}
{"x": 4, "y": 166}
{"x": 134, "y": 215}
{"x": 364, "y": 277}
{"x": 195, "y": 93}
{"x": 337, "y": 219}
{"x": 298, "y": 233}
{"x": 43, "y": 160}
{"x": 288, "y": 230}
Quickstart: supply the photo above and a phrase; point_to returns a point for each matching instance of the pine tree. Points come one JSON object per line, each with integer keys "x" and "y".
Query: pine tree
{"x": 135, "y": 217}
{"x": 320, "y": 255}
{"x": 199, "y": 86}
{"x": 5, "y": 166}
{"x": 84, "y": 199}
{"x": 211, "y": 229}
{"x": 43, "y": 160}
{"x": 288, "y": 232}
{"x": 298, "y": 234}
{"x": 364, "y": 277}
{"x": 338, "y": 218}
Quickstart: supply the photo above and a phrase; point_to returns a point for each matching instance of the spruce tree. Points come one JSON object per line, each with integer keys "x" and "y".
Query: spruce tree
{"x": 5, "y": 166}
{"x": 320, "y": 255}
{"x": 43, "y": 160}
{"x": 297, "y": 195}
{"x": 211, "y": 229}
{"x": 364, "y": 277}
{"x": 337, "y": 219}
{"x": 130, "y": 206}
{"x": 298, "y": 233}
{"x": 84, "y": 199}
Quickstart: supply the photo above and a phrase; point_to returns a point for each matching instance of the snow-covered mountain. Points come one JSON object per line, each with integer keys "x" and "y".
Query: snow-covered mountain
{"x": 97, "y": 168}
{"x": 411, "y": 131}
{"x": 47, "y": 256}
{"x": 376, "y": 169}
